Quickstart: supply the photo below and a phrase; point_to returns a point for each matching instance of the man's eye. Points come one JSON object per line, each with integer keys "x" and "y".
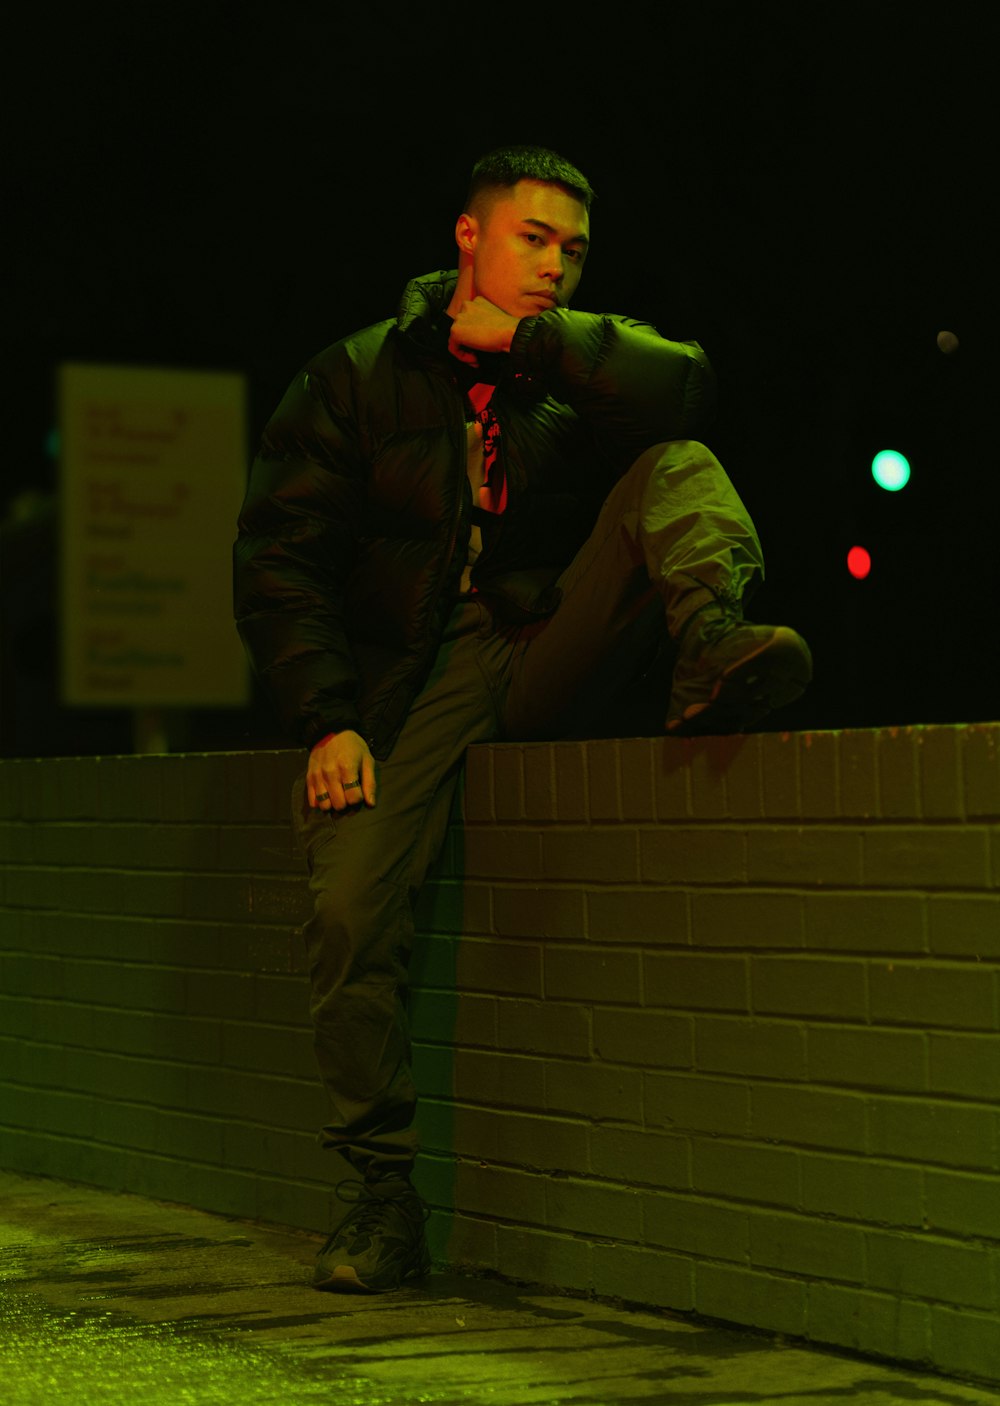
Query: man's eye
{"x": 533, "y": 238}
{"x": 575, "y": 254}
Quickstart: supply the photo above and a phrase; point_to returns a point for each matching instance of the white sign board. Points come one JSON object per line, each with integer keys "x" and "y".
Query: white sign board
{"x": 153, "y": 471}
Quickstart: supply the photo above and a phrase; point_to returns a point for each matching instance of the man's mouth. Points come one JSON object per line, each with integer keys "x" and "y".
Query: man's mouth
{"x": 547, "y": 298}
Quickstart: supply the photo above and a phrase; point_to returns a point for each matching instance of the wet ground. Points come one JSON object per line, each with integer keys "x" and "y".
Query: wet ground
{"x": 108, "y": 1299}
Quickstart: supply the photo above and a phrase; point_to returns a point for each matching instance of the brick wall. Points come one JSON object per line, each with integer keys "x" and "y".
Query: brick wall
{"x": 707, "y": 1025}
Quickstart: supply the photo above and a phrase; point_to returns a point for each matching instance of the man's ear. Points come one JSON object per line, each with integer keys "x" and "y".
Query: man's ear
{"x": 466, "y": 233}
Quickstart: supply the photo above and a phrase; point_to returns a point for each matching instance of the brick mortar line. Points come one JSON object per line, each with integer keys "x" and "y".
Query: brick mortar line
{"x": 90, "y": 822}
{"x": 794, "y": 1021}
{"x": 506, "y": 882}
{"x": 252, "y": 920}
{"x": 805, "y": 823}
{"x": 867, "y": 1095}
{"x": 868, "y": 1092}
{"x": 21, "y": 866}
{"x": 159, "y": 1013}
{"x": 745, "y": 1265}
{"x": 587, "y": 884}
{"x": 930, "y": 963}
{"x": 947, "y": 1239}
{"x": 804, "y": 820}
{"x": 223, "y": 1120}
{"x": 700, "y": 949}
{"x": 778, "y": 1208}
{"x": 159, "y": 1061}
{"x": 91, "y": 1141}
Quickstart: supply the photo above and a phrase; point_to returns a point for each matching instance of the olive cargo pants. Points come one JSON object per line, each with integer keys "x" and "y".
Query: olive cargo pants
{"x": 672, "y": 532}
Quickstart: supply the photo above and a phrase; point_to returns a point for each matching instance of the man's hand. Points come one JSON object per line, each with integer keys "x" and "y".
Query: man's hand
{"x": 341, "y": 772}
{"x": 480, "y": 326}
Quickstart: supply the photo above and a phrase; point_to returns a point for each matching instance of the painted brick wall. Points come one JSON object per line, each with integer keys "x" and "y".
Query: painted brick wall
{"x": 707, "y": 1025}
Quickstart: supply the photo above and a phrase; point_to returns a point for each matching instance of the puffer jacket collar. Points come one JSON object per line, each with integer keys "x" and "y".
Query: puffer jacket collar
{"x": 421, "y": 318}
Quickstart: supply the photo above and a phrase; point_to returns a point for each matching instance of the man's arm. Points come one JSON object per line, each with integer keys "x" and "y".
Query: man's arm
{"x": 297, "y": 545}
{"x": 633, "y": 387}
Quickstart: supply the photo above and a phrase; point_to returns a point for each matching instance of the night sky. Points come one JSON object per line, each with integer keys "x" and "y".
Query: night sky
{"x": 805, "y": 189}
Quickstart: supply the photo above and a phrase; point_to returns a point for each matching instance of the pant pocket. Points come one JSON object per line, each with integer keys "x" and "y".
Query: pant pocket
{"x": 313, "y": 827}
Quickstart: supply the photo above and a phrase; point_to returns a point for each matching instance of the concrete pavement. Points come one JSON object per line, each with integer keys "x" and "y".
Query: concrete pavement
{"x": 108, "y": 1299}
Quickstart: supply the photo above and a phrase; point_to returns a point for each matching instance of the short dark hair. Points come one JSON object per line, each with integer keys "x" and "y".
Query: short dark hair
{"x": 504, "y": 167}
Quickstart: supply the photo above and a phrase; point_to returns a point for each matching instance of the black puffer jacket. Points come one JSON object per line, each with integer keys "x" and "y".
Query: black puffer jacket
{"x": 355, "y": 527}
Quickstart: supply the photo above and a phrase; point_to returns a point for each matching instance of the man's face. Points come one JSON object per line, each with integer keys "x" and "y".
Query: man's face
{"x": 529, "y": 248}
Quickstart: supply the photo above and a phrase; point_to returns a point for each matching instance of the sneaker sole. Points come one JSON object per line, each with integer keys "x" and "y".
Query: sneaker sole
{"x": 771, "y": 676}
{"x": 343, "y": 1279}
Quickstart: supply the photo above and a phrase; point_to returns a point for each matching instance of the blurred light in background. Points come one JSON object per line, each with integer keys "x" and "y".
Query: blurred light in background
{"x": 891, "y": 470}
{"x": 859, "y": 563}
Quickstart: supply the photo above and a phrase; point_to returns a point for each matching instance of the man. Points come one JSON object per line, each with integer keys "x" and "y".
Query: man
{"x": 476, "y": 520}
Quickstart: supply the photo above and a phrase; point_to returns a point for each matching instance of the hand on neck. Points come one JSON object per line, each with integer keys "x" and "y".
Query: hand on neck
{"x": 465, "y": 291}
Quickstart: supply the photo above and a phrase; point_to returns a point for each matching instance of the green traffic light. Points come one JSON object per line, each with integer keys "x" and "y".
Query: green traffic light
{"x": 891, "y": 470}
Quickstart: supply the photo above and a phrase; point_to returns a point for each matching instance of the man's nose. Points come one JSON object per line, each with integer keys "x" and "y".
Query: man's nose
{"x": 553, "y": 266}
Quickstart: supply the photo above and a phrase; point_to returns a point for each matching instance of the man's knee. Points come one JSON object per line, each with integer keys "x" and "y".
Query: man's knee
{"x": 672, "y": 449}
{"x": 349, "y": 900}
{"x": 683, "y": 473}
{"x": 671, "y": 453}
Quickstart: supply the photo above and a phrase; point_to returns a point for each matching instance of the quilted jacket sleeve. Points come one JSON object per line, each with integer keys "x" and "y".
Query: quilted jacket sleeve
{"x": 632, "y": 387}
{"x": 294, "y": 552}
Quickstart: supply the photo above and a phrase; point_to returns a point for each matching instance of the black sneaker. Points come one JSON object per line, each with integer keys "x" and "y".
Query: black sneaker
{"x": 730, "y": 674}
{"x": 380, "y": 1243}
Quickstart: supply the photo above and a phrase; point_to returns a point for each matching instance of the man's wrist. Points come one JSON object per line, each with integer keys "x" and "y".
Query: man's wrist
{"x": 509, "y": 333}
{"x": 322, "y": 729}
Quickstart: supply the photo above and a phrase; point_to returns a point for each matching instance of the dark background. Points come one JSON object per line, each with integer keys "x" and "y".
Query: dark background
{"x": 805, "y": 189}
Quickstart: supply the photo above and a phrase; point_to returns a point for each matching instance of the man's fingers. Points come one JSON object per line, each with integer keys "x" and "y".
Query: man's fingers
{"x": 325, "y": 792}
{"x": 335, "y": 794}
{"x": 368, "y": 780}
{"x": 353, "y": 795}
